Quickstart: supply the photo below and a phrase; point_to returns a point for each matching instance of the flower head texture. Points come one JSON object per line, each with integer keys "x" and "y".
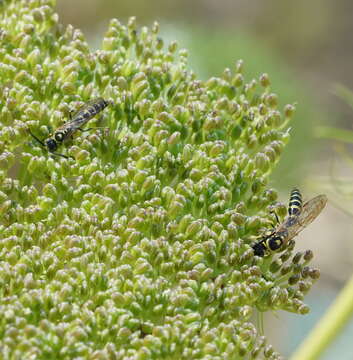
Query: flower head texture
{"x": 137, "y": 243}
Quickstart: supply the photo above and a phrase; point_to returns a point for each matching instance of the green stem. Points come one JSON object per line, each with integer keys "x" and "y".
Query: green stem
{"x": 329, "y": 327}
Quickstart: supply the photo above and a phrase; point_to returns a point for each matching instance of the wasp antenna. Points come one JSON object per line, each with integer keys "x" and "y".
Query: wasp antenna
{"x": 62, "y": 155}
{"x": 35, "y": 137}
{"x": 71, "y": 113}
{"x": 273, "y": 212}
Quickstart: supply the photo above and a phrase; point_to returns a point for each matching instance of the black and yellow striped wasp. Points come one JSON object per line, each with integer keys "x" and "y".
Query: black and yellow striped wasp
{"x": 78, "y": 119}
{"x": 299, "y": 217}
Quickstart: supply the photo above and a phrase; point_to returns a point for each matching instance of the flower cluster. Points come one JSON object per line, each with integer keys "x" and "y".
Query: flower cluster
{"x": 140, "y": 247}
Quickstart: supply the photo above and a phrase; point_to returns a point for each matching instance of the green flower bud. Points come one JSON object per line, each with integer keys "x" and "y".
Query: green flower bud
{"x": 285, "y": 269}
{"x": 314, "y": 274}
{"x": 272, "y": 100}
{"x": 238, "y": 80}
{"x": 265, "y": 80}
{"x": 289, "y": 110}
{"x": 4, "y": 207}
{"x": 276, "y": 266}
{"x": 239, "y": 66}
{"x": 308, "y": 255}
{"x": 293, "y": 279}
{"x": 68, "y": 88}
{"x": 82, "y": 157}
{"x": 262, "y": 162}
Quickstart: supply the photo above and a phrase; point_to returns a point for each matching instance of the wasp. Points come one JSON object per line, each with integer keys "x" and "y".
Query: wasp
{"x": 77, "y": 120}
{"x": 299, "y": 217}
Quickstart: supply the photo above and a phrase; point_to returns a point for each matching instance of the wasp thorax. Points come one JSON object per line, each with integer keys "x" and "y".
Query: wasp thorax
{"x": 51, "y": 144}
{"x": 59, "y": 136}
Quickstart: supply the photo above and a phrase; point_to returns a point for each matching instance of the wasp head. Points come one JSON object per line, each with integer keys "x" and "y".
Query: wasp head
{"x": 51, "y": 144}
{"x": 259, "y": 249}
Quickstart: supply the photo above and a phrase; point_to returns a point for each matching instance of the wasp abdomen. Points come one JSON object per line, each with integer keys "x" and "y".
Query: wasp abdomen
{"x": 295, "y": 203}
{"x": 95, "y": 108}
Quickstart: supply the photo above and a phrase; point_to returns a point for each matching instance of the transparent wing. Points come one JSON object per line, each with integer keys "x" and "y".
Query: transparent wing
{"x": 309, "y": 213}
{"x": 79, "y": 118}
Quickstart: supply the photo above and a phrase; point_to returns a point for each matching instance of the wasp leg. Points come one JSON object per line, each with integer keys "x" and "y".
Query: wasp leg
{"x": 35, "y": 137}
{"x": 277, "y": 219}
{"x": 64, "y": 156}
{"x": 89, "y": 129}
{"x": 71, "y": 114}
{"x": 85, "y": 130}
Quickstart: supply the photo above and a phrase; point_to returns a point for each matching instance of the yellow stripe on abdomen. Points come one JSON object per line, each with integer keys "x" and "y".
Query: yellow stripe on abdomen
{"x": 295, "y": 202}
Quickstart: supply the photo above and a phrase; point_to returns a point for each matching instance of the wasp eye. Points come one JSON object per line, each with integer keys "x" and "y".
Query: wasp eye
{"x": 51, "y": 144}
{"x": 275, "y": 243}
{"x": 59, "y": 136}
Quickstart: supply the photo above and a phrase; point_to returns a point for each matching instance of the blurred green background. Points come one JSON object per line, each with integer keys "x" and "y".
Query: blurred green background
{"x": 306, "y": 48}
